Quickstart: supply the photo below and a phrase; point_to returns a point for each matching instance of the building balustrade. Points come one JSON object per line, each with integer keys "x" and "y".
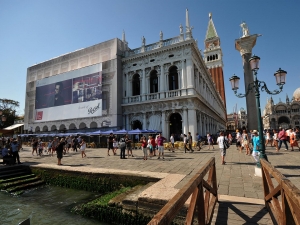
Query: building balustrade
{"x": 155, "y": 96}
{"x": 167, "y": 42}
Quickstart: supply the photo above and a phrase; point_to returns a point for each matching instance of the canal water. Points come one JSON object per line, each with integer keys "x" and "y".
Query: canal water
{"x": 45, "y": 205}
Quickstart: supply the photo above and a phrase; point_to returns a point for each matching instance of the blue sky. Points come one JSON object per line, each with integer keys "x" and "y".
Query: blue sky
{"x": 34, "y": 31}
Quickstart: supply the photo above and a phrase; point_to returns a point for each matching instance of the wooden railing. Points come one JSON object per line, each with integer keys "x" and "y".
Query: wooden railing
{"x": 202, "y": 202}
{"x": 286, "y": 211}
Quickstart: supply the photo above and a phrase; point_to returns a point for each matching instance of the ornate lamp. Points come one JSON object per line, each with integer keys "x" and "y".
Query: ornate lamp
{"x": 234, "y": 81}
{"x": 280, "y": 76}
{"x": 254, "y": 63}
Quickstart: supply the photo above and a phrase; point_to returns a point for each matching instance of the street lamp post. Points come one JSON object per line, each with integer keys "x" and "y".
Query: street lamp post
{"x": 2, "y": 119}
{"x": 256, "y": 86}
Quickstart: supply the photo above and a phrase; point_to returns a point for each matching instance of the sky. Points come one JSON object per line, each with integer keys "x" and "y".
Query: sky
{"x": 34, "y": 31}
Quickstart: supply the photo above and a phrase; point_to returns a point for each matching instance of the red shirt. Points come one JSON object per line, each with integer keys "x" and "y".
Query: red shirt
{"x": 153, "y": 142}
{"x": 282, "y": 135}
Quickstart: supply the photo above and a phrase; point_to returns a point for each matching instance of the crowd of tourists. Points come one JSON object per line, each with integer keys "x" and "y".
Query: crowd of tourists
{"x": 153, "y": 145}
{"x": 10, "y": 148}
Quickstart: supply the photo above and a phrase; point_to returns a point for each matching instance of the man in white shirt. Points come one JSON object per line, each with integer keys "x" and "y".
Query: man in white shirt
{"x": 172, "y": 142}
{"x": 222, "y": 148}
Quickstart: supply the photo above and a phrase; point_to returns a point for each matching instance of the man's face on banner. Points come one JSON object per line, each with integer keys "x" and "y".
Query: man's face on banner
{"x": 57, "y": 89}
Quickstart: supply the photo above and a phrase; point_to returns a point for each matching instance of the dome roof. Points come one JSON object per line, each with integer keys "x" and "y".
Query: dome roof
{"x": 296, "y": 94}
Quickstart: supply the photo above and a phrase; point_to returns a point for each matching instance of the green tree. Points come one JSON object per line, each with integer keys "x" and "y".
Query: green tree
{"x": 8, "y": 108}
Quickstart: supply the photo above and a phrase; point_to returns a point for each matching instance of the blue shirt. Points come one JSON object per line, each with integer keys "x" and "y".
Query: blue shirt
{"x": 256, "y": 143}
{"x": 14, "y": 147}
{"x": 4, "y": 152}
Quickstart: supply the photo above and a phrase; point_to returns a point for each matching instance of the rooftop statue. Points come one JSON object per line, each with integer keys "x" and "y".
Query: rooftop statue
{"x": 245, "y": 29}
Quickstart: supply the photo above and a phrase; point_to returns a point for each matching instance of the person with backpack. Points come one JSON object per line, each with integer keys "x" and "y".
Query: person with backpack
{"x": 210, "y": 141}
{"x": 190, "y": 141}
{"x": 122, "y": 145}
{"x": 222, "y": 146}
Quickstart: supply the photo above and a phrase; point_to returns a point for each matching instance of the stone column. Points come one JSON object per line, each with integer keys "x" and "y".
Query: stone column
{"x": 185, "y": 121}
{"x": 143, "y": 85}
{"x": 144, "y": 121}
{"x": 163, "y": 123}
{"x": 190, "y": 73}
{"x": 124, "y": 121}
{"x": 244, "y": 45}
{"x": 162, "y": 81}
{"x": 183, "y": 77}
{"x": 192, "y": 122}
{"x": 200, "y": 122}
{"x": 127, "y": 126}
{"x": 127, "y": 87}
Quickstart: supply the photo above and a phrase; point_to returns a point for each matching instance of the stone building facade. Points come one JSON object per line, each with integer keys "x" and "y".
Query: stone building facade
{"x": 283, "y": 114}
{"x": 164, "y": 86}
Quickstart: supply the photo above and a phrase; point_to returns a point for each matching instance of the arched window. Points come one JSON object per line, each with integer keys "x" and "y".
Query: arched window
{"x": 153, "y": 82}
{"x": 173, "y": 78}
{"x": 136, "y": 85}
{"x": 210, "y": 58}
{"x": 216, "y": 56}
{"x": 207, "y": 58}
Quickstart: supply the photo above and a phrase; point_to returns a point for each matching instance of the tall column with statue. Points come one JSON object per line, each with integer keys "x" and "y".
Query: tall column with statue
{"x": 244, "y": 45}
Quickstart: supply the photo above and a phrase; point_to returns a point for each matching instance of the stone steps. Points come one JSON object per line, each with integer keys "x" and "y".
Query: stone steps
{"x": 17, "y": 179}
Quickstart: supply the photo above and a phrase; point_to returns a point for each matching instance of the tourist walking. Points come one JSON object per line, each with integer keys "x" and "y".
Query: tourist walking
{"x": 59, "y": 150}
{"x": 198, "y": 141}
{"x": 282, "y": 139}
{"x": 268, "y": 138}
{"x": 122, "y": 145}
{"x": 110, "y": 140}
{"x": 49, "y": 147}
{"x": 185, "y": 142}
{"x": 128, "y": 146}
{"x": 40, "y": 147}
{"x": 34, "y": 144}
{"x": 222, "y": 147}
{"x": 149, "y": 145}
{"x": 172, "y": 140}
{"x": 82, "y": 148}
{"x": 293, "y": 140}
{"x": 55, "y": 143}
{"x": 275, "y": 139}
{"x": 15, "y": 151}
{"x": 115, "y": 146}
{"x": 75, "y": 143}
{"x": 245, "y": 139}
{"x": 238, "y": 140}
{"x": 69, "y": 144}
{"x": 152, "y": 146}
{"x": 210, "y": 141}
{"x": 256, "y": 146}
{"x": 144, "y": 147}
{"x": 230, "y": 138}
{"x": 190, "y": 141}
{"x": 160, "y": 145}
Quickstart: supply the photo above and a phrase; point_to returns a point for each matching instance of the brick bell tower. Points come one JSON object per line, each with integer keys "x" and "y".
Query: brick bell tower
{"x": 213, "y": 57}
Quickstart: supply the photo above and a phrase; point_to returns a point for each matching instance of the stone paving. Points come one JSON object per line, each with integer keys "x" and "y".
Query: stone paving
{"x": 236, "y": 178}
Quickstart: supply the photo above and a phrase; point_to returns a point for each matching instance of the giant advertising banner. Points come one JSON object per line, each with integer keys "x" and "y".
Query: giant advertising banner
{"x": 73, "y": 94}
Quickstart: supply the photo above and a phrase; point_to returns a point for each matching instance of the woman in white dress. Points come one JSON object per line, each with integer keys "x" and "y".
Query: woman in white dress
{"x": 82, "y": 148}
{"x": 268, "y": 138}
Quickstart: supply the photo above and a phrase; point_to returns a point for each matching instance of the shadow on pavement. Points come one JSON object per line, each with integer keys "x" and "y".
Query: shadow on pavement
{"x": 287, "y": 176}
{"x": 287, "y": 167}
{"x": 246, "y": 213}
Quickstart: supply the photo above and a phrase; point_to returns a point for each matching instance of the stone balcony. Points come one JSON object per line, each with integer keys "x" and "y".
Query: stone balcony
{"x": 157, "y": 45}
{"x": 164, "y": 95}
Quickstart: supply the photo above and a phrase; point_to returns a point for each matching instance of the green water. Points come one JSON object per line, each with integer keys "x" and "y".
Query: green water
{"x": 45, "y": 205}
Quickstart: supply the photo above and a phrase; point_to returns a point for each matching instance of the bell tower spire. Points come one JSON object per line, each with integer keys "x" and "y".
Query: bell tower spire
{"x": 213, "y": 57}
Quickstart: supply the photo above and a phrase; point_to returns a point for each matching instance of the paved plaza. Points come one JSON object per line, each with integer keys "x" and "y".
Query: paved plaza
{"x": 236, "y": 178}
